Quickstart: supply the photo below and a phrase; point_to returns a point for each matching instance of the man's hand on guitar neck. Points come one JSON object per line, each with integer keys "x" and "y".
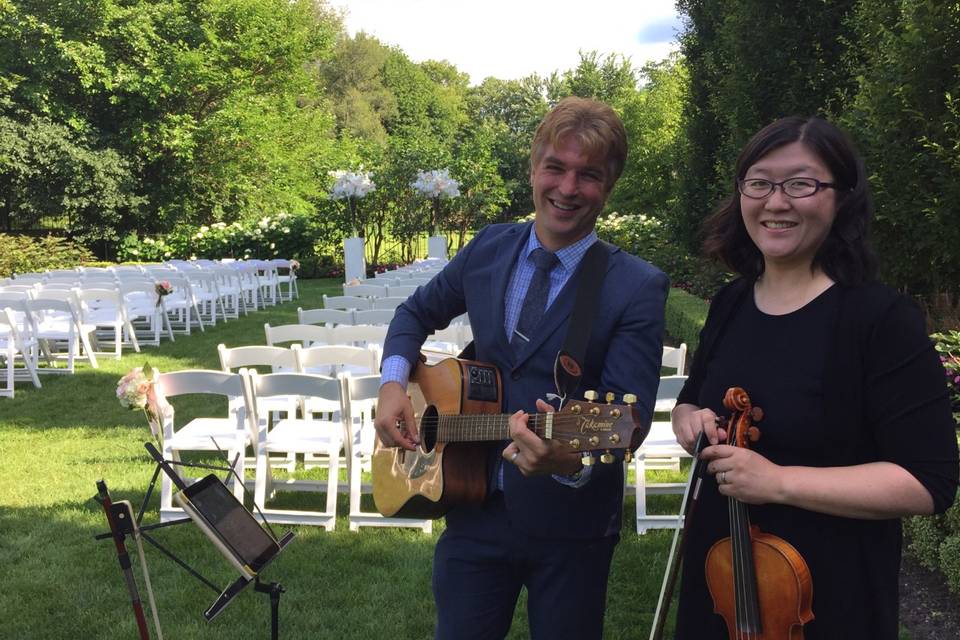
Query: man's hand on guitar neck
{"x": 395, "y": 423}
{"x": 535, "y": 456}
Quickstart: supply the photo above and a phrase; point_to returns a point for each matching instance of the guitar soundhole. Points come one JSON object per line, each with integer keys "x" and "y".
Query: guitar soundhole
{"x": 428, "y": 428}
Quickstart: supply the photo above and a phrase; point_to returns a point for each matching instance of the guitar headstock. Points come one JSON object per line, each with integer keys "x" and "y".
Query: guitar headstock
{"x": 587, "y": 426}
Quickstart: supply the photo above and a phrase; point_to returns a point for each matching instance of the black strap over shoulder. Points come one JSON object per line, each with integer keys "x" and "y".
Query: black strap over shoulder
{"x": 568, "y": 367}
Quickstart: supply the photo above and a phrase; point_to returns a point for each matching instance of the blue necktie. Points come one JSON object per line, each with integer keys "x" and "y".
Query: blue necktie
{"x": 536, "y": 300}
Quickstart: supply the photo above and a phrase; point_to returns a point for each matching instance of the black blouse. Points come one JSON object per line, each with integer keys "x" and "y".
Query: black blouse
{"x": 849, "y": 378}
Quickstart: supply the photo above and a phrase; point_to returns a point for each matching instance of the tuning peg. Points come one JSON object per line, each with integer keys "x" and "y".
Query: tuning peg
{"x": 590, "y": 395}
{"x": 609, "y": 397}
{"x": 628, "y": 456}
{"x": 586, "y": 459}
{"x": 629, "y": 398}
{"x": 606, "y": 457}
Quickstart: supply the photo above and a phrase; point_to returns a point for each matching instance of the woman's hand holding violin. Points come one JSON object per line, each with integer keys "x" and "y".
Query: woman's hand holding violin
{"x": 744, "y": 474}
{"x": 689, "y": 420}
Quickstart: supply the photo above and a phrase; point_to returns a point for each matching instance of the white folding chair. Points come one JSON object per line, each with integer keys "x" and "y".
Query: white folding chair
{"x": 249, "y": 284}
{"x": 207, "y": 297}
{"x": 269, "y": 282}
{"x": 231, "y": 290}
{"x": 374, "y": 316}
{"x": 180, "y": 305}
{"x": 660, "y": 450}
{"x": 56, "y": 320}
{"x": 308, "y": 434}
{"x": 359, "y": 335}
{"x": 346, "y": 302}
{"x": 286, "y": 275}
{"x": 365, "y": 290}
{"x": 105, "y": 309}
{"x": 230, "y": 432}
{"x": 675, "y": 358}
{"x": 328, "y": 317}
{"x": 402, "y": 291}
{"x": 361, "y": 405}
{"x": 446, "y": 341}
{"x": 333, "y": 360}
{"x": 388, "y": 303}
{"x": 12, "y": 346}
{"x": 145, "y": 310}
{"x": 305, "y": 334}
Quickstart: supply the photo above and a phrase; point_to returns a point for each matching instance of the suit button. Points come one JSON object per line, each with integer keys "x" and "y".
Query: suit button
{"x": 515, "y": 375}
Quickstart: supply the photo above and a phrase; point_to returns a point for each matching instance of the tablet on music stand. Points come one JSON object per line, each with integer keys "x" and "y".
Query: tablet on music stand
{"x": 228, "y": 524}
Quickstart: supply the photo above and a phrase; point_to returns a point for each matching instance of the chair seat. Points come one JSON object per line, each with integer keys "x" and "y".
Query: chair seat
{"x": 196, "y": 435}
{"x": 661, "y": 441}
{"x": 298, "y": 435}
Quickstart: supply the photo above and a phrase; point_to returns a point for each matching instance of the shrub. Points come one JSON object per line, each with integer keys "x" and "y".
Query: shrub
{"x": 685, "y": 315}
{"x": 282, "y": 235}
{"x": 22, "y": 254}
{"x": 648, "y": 238}
{"x": 948, "y": 344}
{"x": 950, "y": 561}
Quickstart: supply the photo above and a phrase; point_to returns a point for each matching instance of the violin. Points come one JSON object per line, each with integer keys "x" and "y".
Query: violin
{"x": 760, "y": 584}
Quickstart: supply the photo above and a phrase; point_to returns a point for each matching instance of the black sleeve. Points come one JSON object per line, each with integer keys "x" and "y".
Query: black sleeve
{"x": 906, "y": 402}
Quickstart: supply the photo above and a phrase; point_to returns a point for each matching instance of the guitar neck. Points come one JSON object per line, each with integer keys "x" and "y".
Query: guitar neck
{"x": 483, "y": 427}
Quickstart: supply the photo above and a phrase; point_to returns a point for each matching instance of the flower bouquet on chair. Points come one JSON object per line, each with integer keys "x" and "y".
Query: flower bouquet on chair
{"x": 138, "y": 390}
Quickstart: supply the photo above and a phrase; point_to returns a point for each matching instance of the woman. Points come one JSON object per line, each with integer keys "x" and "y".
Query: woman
{"x": 857, "y": 430}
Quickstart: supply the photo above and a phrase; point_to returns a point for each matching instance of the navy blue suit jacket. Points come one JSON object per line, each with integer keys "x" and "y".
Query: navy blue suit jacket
{"x": 623, "y": 356}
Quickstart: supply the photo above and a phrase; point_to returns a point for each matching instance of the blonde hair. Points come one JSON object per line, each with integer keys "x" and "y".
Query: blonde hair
{"x": 593, "y": 124}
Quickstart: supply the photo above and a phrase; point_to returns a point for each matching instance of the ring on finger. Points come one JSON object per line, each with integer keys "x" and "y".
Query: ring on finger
{"x": 722, "y": 477}
{"x": 513, "y": 458}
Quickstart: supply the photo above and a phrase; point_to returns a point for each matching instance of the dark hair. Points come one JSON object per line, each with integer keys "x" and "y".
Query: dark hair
{"x": 845, "y": 255}
{"x": 595, "y": 126}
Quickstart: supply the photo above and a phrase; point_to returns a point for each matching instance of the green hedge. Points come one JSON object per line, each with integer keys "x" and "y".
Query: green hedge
{"x": 685, "y": 315}
{"x": 23, "y": 254}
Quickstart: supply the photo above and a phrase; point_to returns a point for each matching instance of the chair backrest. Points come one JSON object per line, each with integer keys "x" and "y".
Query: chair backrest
{"x": 667, "y": 392}
{"x": 302, "y": 333}
{"x": 374, "y": 316}
{"x": 328, "y": 317}
{"x": 361, "y": 395}
{"x": 346, "y": 302}
{"x": 675, "y": 358}
{"x": 257, "y": 356}
{"x": 417, "y": 281}
{"x": 365, "y": 290}
{"x": 323, "y": 394}
{"x": 205, "y": 381}
{"x": 334, "y": 359}
{"x": 388, "y": 302}
{"x": 402, "y": 291}
{"x": 359, "y": 335}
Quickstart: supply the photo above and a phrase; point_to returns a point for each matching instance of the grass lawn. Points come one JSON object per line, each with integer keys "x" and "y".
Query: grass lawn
{"x": 60, "y": 583}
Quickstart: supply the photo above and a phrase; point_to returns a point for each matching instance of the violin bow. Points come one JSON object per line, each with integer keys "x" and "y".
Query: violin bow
{"x": 676, "y": 552}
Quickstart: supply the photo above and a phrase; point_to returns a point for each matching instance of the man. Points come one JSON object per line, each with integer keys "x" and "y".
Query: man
{"x": 548, "y": 524}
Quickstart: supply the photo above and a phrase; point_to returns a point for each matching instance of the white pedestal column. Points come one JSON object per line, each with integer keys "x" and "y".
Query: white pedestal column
{"x": 437, "y": 247}
{"x": 354, "y": 263}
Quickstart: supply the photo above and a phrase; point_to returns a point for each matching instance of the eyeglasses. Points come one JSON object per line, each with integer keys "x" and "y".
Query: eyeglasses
{"x": 758, "y": 188}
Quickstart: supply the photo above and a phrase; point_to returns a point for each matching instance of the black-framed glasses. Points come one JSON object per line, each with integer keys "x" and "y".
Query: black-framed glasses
{"x": 798, "y": 187}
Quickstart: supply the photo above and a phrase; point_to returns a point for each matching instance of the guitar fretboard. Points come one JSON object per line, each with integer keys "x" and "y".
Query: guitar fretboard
{"x": 483, "y": 427}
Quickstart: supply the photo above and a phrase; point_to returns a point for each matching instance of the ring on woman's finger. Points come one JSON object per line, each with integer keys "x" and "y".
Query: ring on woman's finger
{"x": 722, "y": 477}
{"x": 513, "y": 458}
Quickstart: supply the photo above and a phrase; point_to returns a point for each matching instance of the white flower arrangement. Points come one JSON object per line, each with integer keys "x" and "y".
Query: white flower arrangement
{"x": 348, "y": 184}
{"x": 436, "y": 184}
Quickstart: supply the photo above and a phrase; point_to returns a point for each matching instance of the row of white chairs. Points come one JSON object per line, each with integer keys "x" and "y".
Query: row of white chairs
{"x": 451, "y": 340}
{"x": 368, "y": 289}
{"x": 334, "y": 420}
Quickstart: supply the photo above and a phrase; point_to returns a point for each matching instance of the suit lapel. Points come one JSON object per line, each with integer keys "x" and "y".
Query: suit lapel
{"x": 557, "y": 314}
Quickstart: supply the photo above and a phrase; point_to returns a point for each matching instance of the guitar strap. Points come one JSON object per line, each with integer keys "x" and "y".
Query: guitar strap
{"x": 568, "y": 367}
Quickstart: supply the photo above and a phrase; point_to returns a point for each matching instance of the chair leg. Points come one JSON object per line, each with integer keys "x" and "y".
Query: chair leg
{"x": 333, "y": 482}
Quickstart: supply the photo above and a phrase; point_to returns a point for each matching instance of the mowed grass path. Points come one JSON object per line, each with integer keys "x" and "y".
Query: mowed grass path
{"x": 58, "y": 582}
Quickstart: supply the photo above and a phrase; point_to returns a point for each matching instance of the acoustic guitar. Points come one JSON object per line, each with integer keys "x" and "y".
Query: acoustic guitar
{"x": 457, "y": 404}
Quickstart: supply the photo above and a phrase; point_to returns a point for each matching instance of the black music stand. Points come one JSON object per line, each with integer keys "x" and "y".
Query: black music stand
{"x": 122, "y": 524}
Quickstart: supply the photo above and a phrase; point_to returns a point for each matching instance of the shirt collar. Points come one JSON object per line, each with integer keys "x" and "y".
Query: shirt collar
{"x": 569, "y": 256}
